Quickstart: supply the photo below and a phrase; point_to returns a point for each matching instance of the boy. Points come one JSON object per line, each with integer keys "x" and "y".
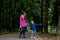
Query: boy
{"x": 33, "y": 26}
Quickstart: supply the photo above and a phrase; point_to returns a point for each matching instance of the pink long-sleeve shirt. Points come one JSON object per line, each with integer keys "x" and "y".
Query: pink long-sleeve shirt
{"x": 23, "y": 22}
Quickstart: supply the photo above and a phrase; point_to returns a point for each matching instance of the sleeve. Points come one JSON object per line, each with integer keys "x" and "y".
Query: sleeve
{"x": 37, "y": 24}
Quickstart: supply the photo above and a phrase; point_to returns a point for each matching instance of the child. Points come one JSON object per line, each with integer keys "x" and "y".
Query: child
{"x": 33, "y": 26}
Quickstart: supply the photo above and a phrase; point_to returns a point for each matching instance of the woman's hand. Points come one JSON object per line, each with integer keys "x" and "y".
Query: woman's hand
{"x": 20, "y": 26}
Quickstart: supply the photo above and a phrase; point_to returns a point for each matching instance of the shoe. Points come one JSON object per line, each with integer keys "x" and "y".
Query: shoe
{"x": 31, "y": 37}
{"x": 24, "y": 37}
{"x": 34, "y": 37}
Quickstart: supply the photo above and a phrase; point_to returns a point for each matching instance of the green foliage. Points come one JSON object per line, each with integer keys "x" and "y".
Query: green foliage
{"x": 11, "y": 11}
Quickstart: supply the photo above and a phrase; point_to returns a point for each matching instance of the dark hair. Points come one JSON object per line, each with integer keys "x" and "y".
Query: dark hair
{"x": 23, "y": 12}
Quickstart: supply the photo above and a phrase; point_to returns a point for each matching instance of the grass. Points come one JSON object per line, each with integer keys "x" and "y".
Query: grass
{"x": 3, "y": 33}
{"x": 53, "y": 32}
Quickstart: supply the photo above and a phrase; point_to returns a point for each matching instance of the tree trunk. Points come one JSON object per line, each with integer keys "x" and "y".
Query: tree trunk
{"x": 58, "y": 24}
{"x": 0, "y": 13}
{"x": 58, "y": 11}
{"x": 46, "y": 17}
{"x": 10, "y": 12}
{"x": 41, "y": 27}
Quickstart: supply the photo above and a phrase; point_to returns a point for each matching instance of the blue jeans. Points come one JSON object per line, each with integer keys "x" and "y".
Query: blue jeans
{"x": 33, "y": 33}
{"x": 23, "y": 30}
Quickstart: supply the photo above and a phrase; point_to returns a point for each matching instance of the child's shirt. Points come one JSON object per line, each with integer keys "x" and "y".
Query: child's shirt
{"x": 33, "y": 26}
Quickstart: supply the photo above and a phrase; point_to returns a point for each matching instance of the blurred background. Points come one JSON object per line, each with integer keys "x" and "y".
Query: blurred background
{"x": 44, "y": 12}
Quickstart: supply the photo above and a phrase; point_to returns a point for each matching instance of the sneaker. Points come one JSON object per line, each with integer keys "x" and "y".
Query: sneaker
{"x": 34, "y": 37}
{"x": 31, "y": 37}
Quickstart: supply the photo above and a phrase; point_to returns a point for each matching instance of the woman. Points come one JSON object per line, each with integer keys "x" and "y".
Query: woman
{"x": 23, "y": 24}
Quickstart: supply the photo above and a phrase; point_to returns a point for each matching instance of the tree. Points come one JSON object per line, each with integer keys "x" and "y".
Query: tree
{"x": 46, "y": 16}
{"x": 57, "y": 4}
{"x": 0, "y": 13}
{"x": 41, "y": 16}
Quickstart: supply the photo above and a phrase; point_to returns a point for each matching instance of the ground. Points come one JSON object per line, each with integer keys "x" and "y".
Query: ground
{"x": 15, "y": 36}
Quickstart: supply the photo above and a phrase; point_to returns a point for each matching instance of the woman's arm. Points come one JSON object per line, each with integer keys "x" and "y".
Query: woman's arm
{"x": 29, "y": 24}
